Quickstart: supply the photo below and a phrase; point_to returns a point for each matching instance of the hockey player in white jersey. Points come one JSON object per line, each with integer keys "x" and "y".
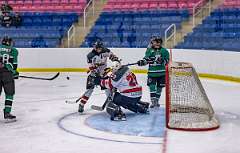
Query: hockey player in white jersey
{"x": 128, "y": 92}
{"x": 97, "y": 61}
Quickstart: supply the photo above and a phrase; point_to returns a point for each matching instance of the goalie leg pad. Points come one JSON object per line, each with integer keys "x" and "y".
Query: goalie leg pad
{"x": 143, "y": 107}
{"x": 115, "y": 112}
{"x": 126, "y": 102}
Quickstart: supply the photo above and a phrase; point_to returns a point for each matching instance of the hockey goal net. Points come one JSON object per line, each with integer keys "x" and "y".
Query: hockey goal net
{"x": 187, "y": 105}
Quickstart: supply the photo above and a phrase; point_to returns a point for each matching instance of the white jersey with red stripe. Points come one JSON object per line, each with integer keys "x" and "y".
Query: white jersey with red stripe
{"x": 125, "y": 82}
{"x": 98, "y": 60}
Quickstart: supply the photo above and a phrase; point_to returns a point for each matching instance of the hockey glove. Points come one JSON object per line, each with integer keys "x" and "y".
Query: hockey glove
{"x": 15, "y": 74}
{"x": 113, "y": 57}
{"x": 142, "y": 62}
{"x": 107, "y": 72}
{"x": 150, "y": 60}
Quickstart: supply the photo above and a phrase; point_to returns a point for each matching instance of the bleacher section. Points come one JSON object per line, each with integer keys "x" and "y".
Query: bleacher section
{"x": 51, "y": 26}
{"x": 149, "y": 4}
{"x": 133, "y": 29}
{"x": 49, "y": 23}
{"x": 219, "y": 31}
{"x": 47, "y": 5}
{"x": 131, "y": 23}
{"x": 231, "y": 4}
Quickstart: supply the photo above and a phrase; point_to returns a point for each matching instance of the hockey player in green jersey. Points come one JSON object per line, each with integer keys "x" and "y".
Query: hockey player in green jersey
{"x": 8, "y": 72}
{"x": 157, "y": 57}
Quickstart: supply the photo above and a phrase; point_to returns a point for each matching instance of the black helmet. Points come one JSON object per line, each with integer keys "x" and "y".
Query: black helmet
{"x": 156, "y": 39}
{"x": 98, "y": 44}
{"x": 7, "y": 41}
{"x": 156, "y": 42}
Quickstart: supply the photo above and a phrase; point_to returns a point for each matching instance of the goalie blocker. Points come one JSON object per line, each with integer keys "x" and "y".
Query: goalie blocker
{"x": 127, "y": 92}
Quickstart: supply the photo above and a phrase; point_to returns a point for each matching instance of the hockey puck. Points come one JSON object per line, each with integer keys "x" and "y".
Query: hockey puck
{"x": 67, "y": 78}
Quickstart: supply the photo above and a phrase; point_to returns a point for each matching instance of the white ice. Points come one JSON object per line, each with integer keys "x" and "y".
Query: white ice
{"x": 45, "y": 121}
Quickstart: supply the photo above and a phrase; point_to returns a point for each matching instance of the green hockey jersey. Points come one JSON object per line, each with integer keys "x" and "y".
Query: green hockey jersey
{"x": 8, "y": 58}
{"x": 156, "y": 68}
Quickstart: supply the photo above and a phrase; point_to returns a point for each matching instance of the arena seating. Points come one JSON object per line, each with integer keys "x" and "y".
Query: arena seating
{"x": 149, "y": 4}
{"x": 47, "y": 5}
{"x": 231, "y": 4}
{"x": 219, "y": 31}
{"x": 49, "y": 19}
{"x": 133, "y": 28}
{"x": 131, "y": 23}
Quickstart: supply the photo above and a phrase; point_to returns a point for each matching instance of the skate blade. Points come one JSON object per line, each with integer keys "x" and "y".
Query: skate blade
{"x": 155, "y": 107}
{"x": 122, "y": 119}
{"x": 10, "y": 120}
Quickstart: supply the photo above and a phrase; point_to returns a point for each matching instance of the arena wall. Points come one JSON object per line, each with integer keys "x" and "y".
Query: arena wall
{"x": 215, "y": 64}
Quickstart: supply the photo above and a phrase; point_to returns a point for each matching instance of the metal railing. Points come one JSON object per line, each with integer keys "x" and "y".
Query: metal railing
{"x": 168, "y": 36}
{"x": 199, "y": 8}
{"x": 71, "y": 36}
{"x": 85, "y": 11}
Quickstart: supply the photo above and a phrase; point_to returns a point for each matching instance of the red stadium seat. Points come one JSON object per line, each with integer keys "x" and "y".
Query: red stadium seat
{"x": 46, "y": 2}
{"x": 172, "y": 5}
{"x": 37, "y": 2}
{"x": 182, "y": 4}
{"x": 153, "y": 5}
{"x": 68, "y": 8}
{"x": 163, "y": 5}
{"x": 28, "y": 2}
{"x": 20, "y": 2}
{"x": 55, "y": 2}
{"x": 78, "y": 8}
{"x": 73, "y": 1}
{"x": 9, "y": 2}
{"x": 64, "y": 2}
{"x": 144, "y": 5}
{"x": 59, "y": 8}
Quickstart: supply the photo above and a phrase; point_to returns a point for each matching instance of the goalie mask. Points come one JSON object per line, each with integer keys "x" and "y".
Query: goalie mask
{"x": 116, "y": 65}
{"x": 7, "y": 41}
{"x": 156, "y": 42}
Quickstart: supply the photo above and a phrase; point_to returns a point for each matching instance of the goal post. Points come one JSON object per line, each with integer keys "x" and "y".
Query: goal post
{"x": 187, "y": 105}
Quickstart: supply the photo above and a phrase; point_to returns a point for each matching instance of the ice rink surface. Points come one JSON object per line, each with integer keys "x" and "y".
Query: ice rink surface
{"x": 46, "y": 124}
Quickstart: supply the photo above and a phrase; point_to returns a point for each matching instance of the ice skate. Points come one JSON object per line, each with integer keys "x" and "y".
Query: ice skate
{"x": 9, "y": 117}
{"x": 80, "y": 108}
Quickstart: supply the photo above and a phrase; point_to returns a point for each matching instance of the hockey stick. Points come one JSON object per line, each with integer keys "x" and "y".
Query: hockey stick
{"x": 108, "y": 100}
{"x": 77, "y": 100}
{"x": 130, "y": 64}
{"x": 73, "y": 102}
{"x": 39, "y": 78}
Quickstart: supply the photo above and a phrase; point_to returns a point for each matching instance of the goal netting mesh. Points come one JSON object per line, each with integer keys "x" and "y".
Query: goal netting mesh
{"x": 187, "y": 105}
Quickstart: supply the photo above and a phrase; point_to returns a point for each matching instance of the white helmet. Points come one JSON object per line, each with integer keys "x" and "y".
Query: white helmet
{"x": 116, "y": 65}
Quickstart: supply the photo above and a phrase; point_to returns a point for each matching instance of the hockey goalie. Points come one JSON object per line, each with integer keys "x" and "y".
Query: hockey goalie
{"x": 127, "y": 92}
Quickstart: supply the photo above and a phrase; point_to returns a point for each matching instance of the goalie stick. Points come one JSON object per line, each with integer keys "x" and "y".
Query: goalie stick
{"x": 108, "y": 100}
{"x": 40, "y": 78}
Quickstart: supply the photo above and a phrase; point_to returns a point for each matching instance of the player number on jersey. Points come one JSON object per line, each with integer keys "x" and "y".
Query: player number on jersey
{"x": 132, "y": 80}
{"x": 5, "y": 58}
